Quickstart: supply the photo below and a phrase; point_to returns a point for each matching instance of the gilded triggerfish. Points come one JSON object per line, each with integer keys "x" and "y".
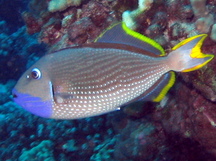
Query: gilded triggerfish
{"x": 121, "y": 67}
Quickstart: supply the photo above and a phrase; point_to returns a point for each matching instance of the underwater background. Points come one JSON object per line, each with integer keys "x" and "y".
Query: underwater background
{"x": 182, "y": 127}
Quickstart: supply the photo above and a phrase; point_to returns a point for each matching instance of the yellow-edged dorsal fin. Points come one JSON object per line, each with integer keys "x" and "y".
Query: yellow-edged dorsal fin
{"x": 119, "y": 33}
{"x": 143, "y": 38}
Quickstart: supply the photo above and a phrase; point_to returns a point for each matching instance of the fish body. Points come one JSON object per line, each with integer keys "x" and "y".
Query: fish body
{"x": 98, "y": 78}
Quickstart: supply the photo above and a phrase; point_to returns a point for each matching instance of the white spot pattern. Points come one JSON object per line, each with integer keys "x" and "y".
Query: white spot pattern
{"x": 101, "y": 79}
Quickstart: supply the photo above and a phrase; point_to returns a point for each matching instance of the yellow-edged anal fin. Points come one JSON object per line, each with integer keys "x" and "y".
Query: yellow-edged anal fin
{"x": 107, "y": 29}
{"x": 166, "y": 88}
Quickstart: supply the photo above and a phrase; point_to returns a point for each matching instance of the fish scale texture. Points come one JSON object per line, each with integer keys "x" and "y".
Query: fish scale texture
{"x": 104, "y": 77}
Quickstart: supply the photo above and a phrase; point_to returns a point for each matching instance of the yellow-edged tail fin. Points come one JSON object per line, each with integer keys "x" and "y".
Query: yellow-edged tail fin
{"x": 187, "y": 56}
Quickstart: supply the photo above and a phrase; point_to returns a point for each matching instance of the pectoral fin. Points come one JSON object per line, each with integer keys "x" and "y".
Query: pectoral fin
{"x": 63, "y": 98}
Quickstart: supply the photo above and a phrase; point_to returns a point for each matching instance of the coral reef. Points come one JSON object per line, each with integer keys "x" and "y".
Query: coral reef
{"x": 30, "y": 137}
{"x": 204, "y": 19}
{"x": 42, "y": 151}
{"x": 164, "y": 20}
{"x": 25, "y": 51}
{"x": 129, "y": 17}
{"x": 192, "y": 117}
{"x": 10, "y": 12}
{"x": 181, "y": 127}
{"x": 104, "y": 151}
{"x": 60, "y": 5}
{"x": 5, "y": 91}
{"x": 71, "y": 26}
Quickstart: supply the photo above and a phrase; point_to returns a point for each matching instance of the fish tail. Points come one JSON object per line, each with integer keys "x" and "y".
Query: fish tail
{"x": 187, "y": 56}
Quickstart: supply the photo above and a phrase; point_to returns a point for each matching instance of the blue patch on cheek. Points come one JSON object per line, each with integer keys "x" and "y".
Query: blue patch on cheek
{"x": 32, "y": 104}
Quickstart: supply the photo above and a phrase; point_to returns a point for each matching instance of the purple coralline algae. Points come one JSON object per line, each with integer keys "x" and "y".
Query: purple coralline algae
{"x": 181, "y": 127}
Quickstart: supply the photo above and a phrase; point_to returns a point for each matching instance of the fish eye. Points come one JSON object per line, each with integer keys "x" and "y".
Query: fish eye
{"x": 36, "y": 73}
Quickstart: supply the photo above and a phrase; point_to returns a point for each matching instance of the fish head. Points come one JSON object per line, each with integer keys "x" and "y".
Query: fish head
{"x": 33, "y": 90}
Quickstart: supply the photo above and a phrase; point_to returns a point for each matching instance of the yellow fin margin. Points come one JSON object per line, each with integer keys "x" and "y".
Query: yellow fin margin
{"x": 196, "y": 51}
{"x": 166, "y": 88}
{"x": 199, "y": 66}
{"x": 143, "y": 38}
{"x": 190, "y": 39}
{"x": 111, "y": 26}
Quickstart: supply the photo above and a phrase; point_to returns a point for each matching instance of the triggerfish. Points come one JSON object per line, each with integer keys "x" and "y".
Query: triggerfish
{"x": 119, "y": 68}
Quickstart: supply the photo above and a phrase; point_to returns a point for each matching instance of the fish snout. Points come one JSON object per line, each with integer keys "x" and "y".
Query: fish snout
{"x": 33, "y": 104}
{"x": 14, "y": 93}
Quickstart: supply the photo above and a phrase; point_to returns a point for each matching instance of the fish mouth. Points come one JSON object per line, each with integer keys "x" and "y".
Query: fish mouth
{"x": 33, "y": 104}
{"x": 14, "y": 94}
